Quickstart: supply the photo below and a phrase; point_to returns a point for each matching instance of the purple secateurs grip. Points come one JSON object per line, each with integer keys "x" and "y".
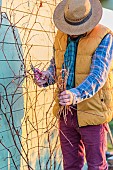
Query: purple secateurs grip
{"x": 37, "y": 73}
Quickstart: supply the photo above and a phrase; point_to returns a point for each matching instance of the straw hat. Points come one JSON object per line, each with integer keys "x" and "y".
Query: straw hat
{"x": 75, "y": 17}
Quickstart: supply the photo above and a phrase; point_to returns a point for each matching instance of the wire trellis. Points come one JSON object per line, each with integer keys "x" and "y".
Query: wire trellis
{"x": 28, "y": 130}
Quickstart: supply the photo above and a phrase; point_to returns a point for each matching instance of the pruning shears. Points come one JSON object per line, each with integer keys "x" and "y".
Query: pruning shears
{"x": 36, "y": 70}
{"x": 38, "y": 74}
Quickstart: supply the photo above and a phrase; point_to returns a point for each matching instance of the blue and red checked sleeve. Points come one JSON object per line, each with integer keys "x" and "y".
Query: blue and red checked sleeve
{"x": 52, "y": 73}
{"x": 101, "y": 62}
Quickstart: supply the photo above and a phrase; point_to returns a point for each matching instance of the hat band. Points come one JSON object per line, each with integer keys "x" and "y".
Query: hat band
{"x": 79, "y": 22}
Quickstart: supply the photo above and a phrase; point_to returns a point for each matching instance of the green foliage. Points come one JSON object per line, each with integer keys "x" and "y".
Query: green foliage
{"x": 107, "y": 4}
{"x": 109, "y": 145}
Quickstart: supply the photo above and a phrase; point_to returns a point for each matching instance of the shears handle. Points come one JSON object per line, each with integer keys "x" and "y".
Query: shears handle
{"x": 37, "y": 73}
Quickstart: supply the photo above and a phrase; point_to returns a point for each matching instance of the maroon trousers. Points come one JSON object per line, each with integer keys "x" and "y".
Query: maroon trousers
{"x": 77, "y": 143}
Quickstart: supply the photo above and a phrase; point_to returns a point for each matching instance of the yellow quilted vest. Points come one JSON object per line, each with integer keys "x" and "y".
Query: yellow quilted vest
{"x": 99, "y": 108}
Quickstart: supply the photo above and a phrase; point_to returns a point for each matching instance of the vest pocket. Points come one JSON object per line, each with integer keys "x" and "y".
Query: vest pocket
{"x": 102, "y": 100}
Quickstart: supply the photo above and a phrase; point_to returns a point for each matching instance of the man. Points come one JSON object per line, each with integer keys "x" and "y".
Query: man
{"x": 85, "y": 49}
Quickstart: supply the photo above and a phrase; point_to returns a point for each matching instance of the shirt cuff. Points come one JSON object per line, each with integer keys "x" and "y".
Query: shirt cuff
{"x": 76, "y": 96}
{"x": 50, "y": 81}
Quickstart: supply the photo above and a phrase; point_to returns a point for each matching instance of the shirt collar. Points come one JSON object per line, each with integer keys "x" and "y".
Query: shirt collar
{"x": 77, "y": 38}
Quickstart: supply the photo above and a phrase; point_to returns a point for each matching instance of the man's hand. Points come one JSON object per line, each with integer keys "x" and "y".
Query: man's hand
{"x": 41, "y": 78}
{"x": 66, "y": 98}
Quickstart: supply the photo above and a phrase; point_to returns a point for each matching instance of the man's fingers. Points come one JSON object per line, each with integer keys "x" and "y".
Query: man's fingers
{"x": 66, "y": 96}
{"x": 40, "y": 82}
{"x": 64, "y": 104}
{"x": 63, "y": 93}
{"x": 65, "y": 100}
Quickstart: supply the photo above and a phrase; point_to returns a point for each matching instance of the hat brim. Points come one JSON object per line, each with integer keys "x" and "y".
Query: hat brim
{"x": 63, "y": 26}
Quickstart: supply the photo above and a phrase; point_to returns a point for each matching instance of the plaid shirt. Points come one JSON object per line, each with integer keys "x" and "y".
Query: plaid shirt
{"x": 69, "y": 61}
{"x": 99, "y": 70}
